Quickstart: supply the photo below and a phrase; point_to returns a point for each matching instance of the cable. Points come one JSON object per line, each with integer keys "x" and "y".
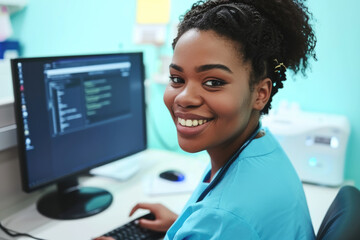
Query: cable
{"x": 13, "y": 233}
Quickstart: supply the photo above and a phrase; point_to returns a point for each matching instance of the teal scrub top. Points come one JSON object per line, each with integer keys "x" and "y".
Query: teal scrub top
{"x": 260, "y": 197}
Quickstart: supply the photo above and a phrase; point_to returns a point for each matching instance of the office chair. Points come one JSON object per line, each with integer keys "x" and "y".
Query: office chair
{"x": 342, "y": 219}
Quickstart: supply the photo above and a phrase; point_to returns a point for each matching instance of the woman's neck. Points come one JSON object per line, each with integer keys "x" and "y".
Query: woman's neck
{"x": 219, "y": 156}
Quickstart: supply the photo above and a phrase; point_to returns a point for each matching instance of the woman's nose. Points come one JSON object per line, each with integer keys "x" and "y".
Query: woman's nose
{"x": 189, "y": 97}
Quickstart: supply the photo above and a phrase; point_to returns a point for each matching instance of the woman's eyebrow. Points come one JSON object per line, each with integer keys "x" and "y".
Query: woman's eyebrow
{"x": 207, "y": 67}
{"x": 176, "y": 67}
{"x": 202, "y": 68}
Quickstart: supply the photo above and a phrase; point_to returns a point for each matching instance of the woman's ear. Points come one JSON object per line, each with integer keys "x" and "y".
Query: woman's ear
{"x": 262, "y": 93}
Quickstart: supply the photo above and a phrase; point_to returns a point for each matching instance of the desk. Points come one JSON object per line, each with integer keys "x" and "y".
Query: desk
{"x": 131, "y": 191}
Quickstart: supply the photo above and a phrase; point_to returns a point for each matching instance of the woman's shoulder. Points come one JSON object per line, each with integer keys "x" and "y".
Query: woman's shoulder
{"x": 262, "y": 185}
{"x": 266, "y": 178}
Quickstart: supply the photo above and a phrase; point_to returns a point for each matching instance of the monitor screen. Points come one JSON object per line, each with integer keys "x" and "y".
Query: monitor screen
{"x": 75, "y": 113}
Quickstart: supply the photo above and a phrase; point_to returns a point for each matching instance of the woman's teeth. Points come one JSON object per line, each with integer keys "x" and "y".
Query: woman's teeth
{"x": 191, "y": 123}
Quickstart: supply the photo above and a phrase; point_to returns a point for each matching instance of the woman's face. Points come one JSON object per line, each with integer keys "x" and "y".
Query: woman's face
{"x": 208, "y": 95}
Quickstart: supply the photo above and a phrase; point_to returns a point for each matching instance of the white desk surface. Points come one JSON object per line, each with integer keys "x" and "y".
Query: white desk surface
{"x": 127, "y": 193}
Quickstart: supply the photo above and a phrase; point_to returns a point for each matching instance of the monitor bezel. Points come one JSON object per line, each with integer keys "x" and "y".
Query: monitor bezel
{"x": 23, "y": 163}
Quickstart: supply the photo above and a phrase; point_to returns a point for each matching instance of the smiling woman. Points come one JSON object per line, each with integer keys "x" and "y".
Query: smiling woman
{"x": 211, "y": 83}
{"x": 230, "y": 59}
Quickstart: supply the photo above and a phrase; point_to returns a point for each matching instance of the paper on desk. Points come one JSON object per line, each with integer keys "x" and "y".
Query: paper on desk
{"x": 157, "y": 186}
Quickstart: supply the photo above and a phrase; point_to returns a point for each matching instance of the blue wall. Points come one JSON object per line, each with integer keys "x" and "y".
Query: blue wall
{"x": 61, "y": 27}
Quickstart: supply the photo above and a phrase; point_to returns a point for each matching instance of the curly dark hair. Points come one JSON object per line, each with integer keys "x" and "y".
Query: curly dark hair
{"x": 271, "y": 34}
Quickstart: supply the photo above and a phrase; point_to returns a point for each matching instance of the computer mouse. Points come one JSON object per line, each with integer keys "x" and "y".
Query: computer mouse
{"x": 172, "y": 175}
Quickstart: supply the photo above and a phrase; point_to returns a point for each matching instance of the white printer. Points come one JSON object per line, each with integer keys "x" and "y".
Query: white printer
{"x": 315, "y": 143}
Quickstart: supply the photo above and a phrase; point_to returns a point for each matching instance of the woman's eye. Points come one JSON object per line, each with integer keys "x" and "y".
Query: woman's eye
{"x": 176, "y": 80}
{"x": 214, "y": 83}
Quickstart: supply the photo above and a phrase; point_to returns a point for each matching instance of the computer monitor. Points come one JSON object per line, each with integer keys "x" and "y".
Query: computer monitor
{"x": 75, "y": 113}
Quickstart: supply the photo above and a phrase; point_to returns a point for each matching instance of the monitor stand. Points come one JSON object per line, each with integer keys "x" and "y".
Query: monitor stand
{"x": 70, "y": 201}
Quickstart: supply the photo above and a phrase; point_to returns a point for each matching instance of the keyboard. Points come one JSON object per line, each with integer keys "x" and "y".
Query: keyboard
{"x": 132, "y": 231}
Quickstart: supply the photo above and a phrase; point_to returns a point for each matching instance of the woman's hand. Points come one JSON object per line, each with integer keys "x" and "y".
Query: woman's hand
{"x": 164, "y": 217}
